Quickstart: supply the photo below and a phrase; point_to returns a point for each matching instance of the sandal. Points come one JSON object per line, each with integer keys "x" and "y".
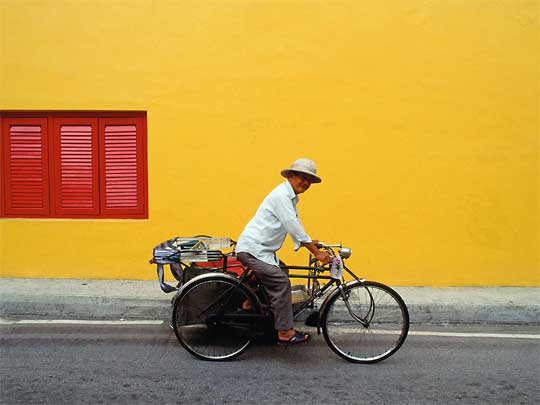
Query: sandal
{"x": 298, "y": 337}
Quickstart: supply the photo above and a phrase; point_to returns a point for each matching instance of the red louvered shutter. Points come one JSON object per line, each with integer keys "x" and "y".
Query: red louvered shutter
{"x": 76, "y": 179}
{"x": 25, "y": 166}
{"x": 123, "y": 176}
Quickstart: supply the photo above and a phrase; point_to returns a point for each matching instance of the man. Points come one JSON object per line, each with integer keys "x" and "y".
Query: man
{"x": 264, "y": 235}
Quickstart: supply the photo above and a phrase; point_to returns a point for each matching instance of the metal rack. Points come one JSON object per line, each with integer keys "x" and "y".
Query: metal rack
{"x": 180, "y": 250}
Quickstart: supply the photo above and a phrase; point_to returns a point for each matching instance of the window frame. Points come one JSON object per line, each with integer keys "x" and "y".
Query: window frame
{"x": 52, "y": 118}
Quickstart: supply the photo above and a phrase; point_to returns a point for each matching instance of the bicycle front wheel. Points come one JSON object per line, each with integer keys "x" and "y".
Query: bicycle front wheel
{"x": 207, "y": 319}
{"x": 365, "y": 322}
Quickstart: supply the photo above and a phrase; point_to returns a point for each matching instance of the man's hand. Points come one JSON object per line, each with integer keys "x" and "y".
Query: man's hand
{"x": 320, "y": 255}
{"x": 323, "y": 257}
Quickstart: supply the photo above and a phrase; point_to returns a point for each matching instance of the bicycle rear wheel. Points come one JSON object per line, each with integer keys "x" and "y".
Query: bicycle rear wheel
{"x": 207, "y": 319}
{"x": 375, "y": 330}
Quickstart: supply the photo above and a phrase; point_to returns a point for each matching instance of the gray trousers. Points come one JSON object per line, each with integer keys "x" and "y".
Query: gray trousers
{"x": 277, "y": 285}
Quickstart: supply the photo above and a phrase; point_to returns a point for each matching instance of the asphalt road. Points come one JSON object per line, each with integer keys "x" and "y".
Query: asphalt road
{"x": 107, "y": 364}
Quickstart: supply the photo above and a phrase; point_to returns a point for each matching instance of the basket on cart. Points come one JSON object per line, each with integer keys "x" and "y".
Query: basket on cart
{"x": 189, "y": 256}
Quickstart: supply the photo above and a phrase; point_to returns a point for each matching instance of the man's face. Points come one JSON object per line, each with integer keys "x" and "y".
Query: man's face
{"x": 300, "y": 182}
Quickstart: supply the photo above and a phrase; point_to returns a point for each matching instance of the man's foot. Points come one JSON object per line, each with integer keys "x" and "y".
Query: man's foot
{"x": 246, "y": 305}
{"x": 295, "y": 338}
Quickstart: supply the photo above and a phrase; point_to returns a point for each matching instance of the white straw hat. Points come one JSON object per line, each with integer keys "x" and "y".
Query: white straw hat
{"x": 305, "y": 166}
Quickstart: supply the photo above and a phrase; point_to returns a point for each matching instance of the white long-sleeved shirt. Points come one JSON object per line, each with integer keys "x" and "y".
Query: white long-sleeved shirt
{"x": 276, "y": 217}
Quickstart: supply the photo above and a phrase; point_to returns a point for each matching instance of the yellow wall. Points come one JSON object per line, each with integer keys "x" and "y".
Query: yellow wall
{"x": 423, "y": 118}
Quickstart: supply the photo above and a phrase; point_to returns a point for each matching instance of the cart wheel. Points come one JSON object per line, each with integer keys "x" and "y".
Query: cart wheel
{"x": 202, "y": 319}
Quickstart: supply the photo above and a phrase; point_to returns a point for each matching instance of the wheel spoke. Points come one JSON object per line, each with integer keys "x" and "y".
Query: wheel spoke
{"x": 385, "y": 333}
{"x": 200, "y": 325}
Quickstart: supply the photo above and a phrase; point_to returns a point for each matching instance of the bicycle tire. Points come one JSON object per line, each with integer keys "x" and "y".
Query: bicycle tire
{"x": 198, "y": 328}
{"x": 385, "y": 330}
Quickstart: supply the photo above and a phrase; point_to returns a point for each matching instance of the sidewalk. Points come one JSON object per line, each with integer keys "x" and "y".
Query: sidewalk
{"x": 117, "y": 299}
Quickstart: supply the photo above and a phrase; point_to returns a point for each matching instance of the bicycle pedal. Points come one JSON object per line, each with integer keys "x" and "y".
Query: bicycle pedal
{"x": 312, "y": 319}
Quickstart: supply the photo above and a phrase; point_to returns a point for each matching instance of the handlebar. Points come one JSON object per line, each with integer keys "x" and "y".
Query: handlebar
{"x": 344, "y": 252}
{"x": 321, "y": 245}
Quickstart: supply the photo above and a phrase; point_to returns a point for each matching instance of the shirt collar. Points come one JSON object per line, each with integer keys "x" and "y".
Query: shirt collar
{"x": 290, "y": 191}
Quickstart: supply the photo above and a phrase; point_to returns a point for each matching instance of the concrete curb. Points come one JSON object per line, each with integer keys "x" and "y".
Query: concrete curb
{"x": 83, "y": 299}
{"x": 126, "y": 299}
{"x": 86, "y": 308}
{"x": 492, "y": 305}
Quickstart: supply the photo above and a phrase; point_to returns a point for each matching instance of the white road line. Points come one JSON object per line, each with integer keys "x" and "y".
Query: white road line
{"x": 456, "y": 334}
{"x": 78, "y": 322}
{"x": 472, "y": 335}
{"x": 373, "y": 331}
{"x": 477, "y": 335}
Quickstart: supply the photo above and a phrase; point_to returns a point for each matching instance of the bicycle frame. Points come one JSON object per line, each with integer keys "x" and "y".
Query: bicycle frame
{"x": 315, "y": 291}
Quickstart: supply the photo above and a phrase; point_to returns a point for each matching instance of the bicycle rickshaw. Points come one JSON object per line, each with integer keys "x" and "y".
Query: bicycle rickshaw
{"x": 219, "y": 309}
